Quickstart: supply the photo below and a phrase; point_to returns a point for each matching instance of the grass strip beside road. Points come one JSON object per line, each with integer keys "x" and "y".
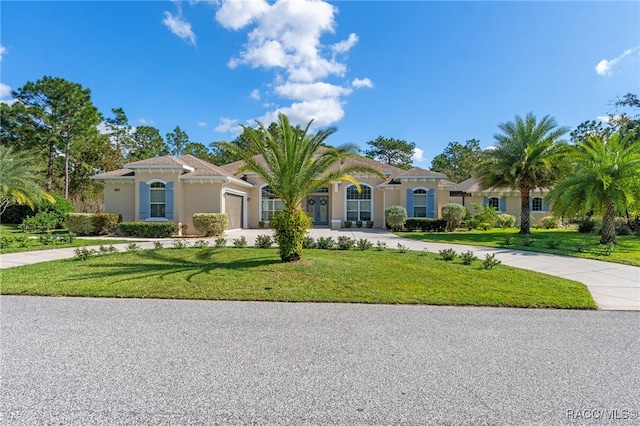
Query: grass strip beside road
{"x": 571, "y": 242}
{"x": 370, "y": 276}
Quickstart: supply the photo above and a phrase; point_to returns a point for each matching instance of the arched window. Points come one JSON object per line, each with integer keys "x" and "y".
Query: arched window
{"x": 359, "y": 203}
{"x": 420, "y": 203}
{"x": 269, "y": 204}
{"x": 157, "y": 199}
{"x": 494, "y": 202}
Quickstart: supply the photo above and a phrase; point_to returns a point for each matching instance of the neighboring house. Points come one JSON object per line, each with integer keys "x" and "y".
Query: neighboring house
{"x": 505, "y": 200}
{"x": 175, "y": 188}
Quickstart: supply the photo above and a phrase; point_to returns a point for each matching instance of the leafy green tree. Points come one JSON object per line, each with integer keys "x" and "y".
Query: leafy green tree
{"x": 20, "y": 184}
{"x": 146, "y": 143}
{"x": 294, "y": 166}
{"x": 458, "y": 161}
{"x": 244, "y": 141}
{"x": 199, "y": 150}
{"x": 524, "y": 159}
{"x": 623, "y": 119}
{"x": 63, "y": 114}
{"x": 605, "y": 179}
{"x": 119, "y": 131}
{"x": 177, "y": 141}
{"x": 394, "y": 152}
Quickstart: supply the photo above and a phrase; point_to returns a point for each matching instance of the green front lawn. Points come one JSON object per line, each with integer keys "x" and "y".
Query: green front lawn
{"x": 626, "y": 251}
{"x": 322, "y": 276}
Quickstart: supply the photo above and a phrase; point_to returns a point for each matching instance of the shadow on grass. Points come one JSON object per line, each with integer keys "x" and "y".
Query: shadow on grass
{"x": 162, "y": 264}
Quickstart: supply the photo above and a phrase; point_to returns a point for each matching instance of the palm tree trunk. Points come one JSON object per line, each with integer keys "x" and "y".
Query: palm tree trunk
{"x": 608, "y": 224}
{"x": 525, "y": 211}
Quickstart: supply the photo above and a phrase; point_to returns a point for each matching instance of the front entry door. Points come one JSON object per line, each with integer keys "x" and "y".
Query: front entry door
{"x": 318, "y": 209}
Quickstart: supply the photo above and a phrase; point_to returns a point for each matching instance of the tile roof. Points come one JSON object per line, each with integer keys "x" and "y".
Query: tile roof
{"x": 120, "y": 173}
{"x": 419, "y": 172}
{"x": 165, "y": 160}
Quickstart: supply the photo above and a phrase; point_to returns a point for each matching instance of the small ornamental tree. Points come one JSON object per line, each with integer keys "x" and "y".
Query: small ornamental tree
{"x": 454, "y": 214}
{"x": 395, "y": 216}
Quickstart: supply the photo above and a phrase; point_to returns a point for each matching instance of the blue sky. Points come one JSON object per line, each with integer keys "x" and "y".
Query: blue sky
{"x": 426, "y": 72}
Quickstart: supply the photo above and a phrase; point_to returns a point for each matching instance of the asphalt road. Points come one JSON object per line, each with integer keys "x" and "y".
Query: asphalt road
{"x": 69, "y": 361}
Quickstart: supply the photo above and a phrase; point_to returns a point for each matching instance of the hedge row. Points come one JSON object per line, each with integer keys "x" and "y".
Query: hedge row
{"x": 210, "y": 224}
{"x": 148, "y": 229}
{"x": 92, "y": 223}
{"x": 425, "y": 224}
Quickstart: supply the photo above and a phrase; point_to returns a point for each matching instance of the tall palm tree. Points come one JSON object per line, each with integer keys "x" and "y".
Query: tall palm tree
{"x": 294, "y": 164}
{"x": 605, "y": 178}
{"x": 20, "y": 183}
{"x": 525, "y": 158}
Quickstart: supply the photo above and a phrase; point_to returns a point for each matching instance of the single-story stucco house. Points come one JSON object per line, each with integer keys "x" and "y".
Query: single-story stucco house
{"x": 506, "y": 200}
{"x": 175, "y": 188}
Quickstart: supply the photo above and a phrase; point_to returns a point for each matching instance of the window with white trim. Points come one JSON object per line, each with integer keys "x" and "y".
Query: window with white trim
{"x": 269, "y": 204}
{"x": 419, "y": 203}
{"x": 536, "y": 204}
{"x": 157, "y": 199}
{"x": 359, "y": 203}
{"x": 494, "y": 202}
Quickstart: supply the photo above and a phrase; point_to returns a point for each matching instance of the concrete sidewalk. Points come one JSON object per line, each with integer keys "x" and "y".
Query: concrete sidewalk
{"x": 613, "y": 286}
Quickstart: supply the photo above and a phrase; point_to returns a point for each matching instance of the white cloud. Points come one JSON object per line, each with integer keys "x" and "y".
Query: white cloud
{"x": 285, "y": 35}
{"x": 345, "y": 45}
{"x": 3, "y": 50}
{"x": 604, "y": 66}
{"x": 5, "y": 91}
{"x": 237, "y": 14}
{"x": 179, "y": 27}
{"x": 364, "y": 82}
{"x": 202, "y": 124}
{"x": 255, "y": 94}
{"x": 145, "y": 121}
{"x": 229, "y": 125}
{"x": 311, "y": 91}
{"x": 418, "y": 155}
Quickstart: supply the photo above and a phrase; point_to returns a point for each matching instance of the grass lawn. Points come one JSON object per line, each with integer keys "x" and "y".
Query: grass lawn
{"x": 322, "y": 276}
{"x": 626, "y": 251}
{"x": 21, "y": 241}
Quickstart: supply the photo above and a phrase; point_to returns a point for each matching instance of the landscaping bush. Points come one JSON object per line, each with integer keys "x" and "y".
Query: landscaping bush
{"x": 552, "y": 243}
{"x": 426, "y": 224}
{"x": 467, "y": 257}
{"x": 308, "y": 243}
{"x": 345, "y": 243}
{"x": 290, "y": 228}
{"x": 369, "y": 224}
{"x": 179, "y": 244}
{"x": 587, "y": 225}
{"x": 490, "y": 261}
{"x": 454, "y": 214}
{"x": 550, "y": 222}
{"x": 364, "y": 244}
{"x": 79, "y": 223}
{"x": 395, "y": 217}
{"x": 486, "y": 214}
{"x": 211, "y": 224}
{"x": 472, "y": 223}
{"x": 42, "y": 222}
{"x": 485, "y": 226}
{"x": 448, "y": 254}
{"x": 105, "y": 223}
{"x": 325, "y": 243}
{"x": 17, "y": 214}
{"x": 220, "y": 242}
{"x": 147, "y": 229}
{"x": 347, "y": 224}
{"x": 264, "y": 241}
{"x": 505, "y": 220}
{"x": 240, "y": 242}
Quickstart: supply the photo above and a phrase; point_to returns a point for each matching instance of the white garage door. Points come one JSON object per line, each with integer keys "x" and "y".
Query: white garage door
{"x": 233, "y": 208}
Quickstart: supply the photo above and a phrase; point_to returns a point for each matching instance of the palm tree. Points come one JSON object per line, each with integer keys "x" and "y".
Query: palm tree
{"x": 20, "y": 180}
{"x": 294, "y": 164}
{"x": 605, "y": 179}
{"x": 524, "y": 159}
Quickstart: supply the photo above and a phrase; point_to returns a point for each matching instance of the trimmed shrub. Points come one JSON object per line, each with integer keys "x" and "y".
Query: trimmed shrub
{"x": 550, "y": 222}
{"x": 42, "y": 222}
{"x": 18, "y": 213}
{"x": 309, "y": 242}
{"x": 364, "y": 244}
{"x": 80, "y": 223}
{"x": 325, "y": 243}
{"x": 395, "y": 216}
{"x": 426, "y": 224}
{"x": 587, "y": 225}
{"x": 211, "y": 224}
{"x": 347, "y": 224}
{"x": 105, "y": 223}
{"x": 264, "y": 241}
{"x": 448, "y": 254}
{"x": 147, "y": 229}
{"x": 290, "y": 229}
{"x": 467, "y": 257}
{"x": 240, "y": 242}
{"x": 505, "y": 220}
{"x": 472, "y": 223}
{"x": 454, "y": 214}
{"x": 490, "y": 261}
{"x": 345, "y": 243}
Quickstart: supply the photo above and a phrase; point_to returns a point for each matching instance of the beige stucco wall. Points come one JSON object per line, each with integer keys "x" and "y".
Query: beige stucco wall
{"x": 146, "y": 176}
{"x": 120, "y": 198}
{"x": 513, "y": 206}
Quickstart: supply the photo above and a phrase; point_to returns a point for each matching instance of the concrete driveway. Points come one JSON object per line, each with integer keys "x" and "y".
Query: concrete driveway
{"x": 613, "y": 286}
{"x": 76, "y": 361}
